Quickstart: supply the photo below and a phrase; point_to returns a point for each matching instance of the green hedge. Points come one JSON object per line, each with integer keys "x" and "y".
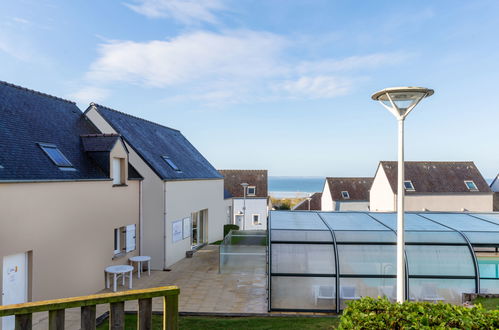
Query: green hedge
{"x": 228, "y": 228}
{"x": 370, "y": 313}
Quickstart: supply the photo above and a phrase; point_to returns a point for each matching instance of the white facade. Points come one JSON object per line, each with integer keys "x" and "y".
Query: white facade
{"x": 328, "y": 204}
{"x": 256, "y": 213}
{"x": 165, "y": 203}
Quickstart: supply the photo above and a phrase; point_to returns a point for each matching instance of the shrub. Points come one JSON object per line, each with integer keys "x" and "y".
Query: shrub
{"x": 230, "y": 227}
{"x": 370, "y": 313}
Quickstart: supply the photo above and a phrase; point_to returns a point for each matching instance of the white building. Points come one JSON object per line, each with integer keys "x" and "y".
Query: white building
{"x": 346, "y": 194}
{"x": 432, "y": 186}
{"x": 182, "y": 193}
{"x": 256, "y": 200}
{"x": 494, "y": 186}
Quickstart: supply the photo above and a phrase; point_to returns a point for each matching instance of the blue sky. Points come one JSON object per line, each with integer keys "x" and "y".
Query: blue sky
{"x": 277, "y": 84}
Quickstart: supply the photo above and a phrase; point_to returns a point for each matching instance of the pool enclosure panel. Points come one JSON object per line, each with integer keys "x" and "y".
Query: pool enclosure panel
{"x": 318, "y": 261}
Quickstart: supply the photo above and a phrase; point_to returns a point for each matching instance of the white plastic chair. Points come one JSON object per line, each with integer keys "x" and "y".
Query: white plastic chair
{"x": 324, "y": 292}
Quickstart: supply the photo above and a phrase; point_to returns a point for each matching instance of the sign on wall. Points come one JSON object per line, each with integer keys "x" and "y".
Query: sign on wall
{"x": 187, "y": 227}
{"x": 177, "y": 231}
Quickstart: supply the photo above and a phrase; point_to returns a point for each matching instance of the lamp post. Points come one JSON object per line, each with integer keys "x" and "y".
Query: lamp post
{"x": 245, "y": 186}
{"x": 308, "y": 199}
{"x": 400, "y": 101}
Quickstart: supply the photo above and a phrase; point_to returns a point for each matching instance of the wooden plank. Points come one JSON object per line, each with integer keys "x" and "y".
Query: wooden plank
{"x": 103, "y": 298}
{"x": 24, "y": 322}
{"x": 56, "y": 319}
{"x": 117, "y": 316}
{"x": 144, "y": 321}
{"x": 170, "y": 312}
{"x": 88, "y": 316}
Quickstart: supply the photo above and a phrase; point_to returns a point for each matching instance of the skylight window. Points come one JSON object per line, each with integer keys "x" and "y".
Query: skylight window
{"x": 345, "y": 195}
{"x": 409, "y": 186}
{"x": 251, "y": 191}
{"x": 471, "y": 185}
{"x": 170, "y": 162}
{"x": 55, "y": 155}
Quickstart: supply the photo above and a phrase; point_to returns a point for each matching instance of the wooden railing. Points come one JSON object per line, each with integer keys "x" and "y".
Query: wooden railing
{"x": 56, "y": 309}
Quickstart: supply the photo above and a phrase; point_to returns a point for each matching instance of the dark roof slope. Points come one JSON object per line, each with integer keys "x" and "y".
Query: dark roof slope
{"x": 358, "y": 188}
{"x": 234, "y": 178}
{"x": 99, "y": 142}
{"x": 437, "y": 177}
{"x": 28, "y": 117}
{"x": 153, "y": 141}
{"x": 315, "y": 203}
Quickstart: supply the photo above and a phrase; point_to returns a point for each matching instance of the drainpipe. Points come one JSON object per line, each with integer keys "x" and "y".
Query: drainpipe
{"x": 141, "y": 220}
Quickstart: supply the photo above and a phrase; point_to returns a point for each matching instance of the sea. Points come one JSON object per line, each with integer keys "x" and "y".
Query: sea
{"x": 294, "y": 186}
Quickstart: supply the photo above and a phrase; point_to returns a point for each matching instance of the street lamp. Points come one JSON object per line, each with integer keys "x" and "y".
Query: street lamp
{"x": 400, "y": 101}
{"x": 309, "y": 199}
{"x": 244, "y": 185}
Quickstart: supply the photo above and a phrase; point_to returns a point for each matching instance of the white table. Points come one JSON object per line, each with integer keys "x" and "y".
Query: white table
{"x": 117, "y": 271}
{"x": 140, "y": 260}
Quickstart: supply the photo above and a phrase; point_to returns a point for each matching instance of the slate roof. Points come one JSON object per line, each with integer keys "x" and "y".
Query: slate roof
{"x": 358, "y": 188}
{"x": 234, "y": 178}
{"x": 437, "y": 177}
{"x": 152, "y": 141}
{"x": 29, "y": 117}
{"x": 99, "y": 142}
{"x": 315, "y": 203}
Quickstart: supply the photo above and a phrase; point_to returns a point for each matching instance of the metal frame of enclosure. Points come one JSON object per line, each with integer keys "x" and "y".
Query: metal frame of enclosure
{"x": 312, "y": 254}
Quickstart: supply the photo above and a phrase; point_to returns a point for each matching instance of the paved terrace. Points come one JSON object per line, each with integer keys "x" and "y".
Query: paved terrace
{"x": 202, "y": 289}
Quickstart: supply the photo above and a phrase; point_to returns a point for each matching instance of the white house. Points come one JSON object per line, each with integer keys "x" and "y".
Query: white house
{"x": 432, "y": 186}
{"x": 256, "y": 201}
{"x": 346, "y": 194}
{"x": 182, "y": 193}
{"x": 494, "y": 186}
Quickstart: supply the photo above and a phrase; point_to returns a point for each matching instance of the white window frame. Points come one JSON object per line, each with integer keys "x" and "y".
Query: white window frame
{"x": 117, "y": 240}
{"x": 248, "y": 189}
{"x": 117, "y": 165}
{"x": 345, "y": 194}
{"x": 258, "y": 222}
{"x": 123, "y": 236}
{"x": 473, "y": 183}
{"x": 412, "y": 186}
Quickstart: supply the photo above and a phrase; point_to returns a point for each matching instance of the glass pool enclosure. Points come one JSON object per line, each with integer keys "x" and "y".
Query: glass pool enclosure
{"x": 320, "y": 260}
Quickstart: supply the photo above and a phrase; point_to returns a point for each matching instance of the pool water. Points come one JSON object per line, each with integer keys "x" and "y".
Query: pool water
{"x": 489, "y": 267}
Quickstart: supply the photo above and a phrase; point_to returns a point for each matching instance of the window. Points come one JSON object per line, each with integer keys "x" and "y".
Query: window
{"x": 170, "y": 162}
{"x": 256, "y": 219}
{"x": 345, "y": 195}
{"x": 124, "y": 239}
{"x": 471, "y": 185}
{"x": 118, "y": 171}
{"x": 251, "y": 191}
{"x": 56, "y": 156}
{"x": 409, "y": 186}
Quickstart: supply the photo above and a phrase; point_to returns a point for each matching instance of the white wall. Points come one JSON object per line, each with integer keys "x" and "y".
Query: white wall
{"x": 185, "y": 197}
{"x": 327, "y": 200}
{"x": 474, "y": 202}
{"x": 352, "y": 206}
{"x": 253, "y": 206}
{"x": 381, "y": 196}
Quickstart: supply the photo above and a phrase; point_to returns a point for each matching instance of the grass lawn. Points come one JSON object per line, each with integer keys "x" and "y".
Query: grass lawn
{"x": 487, "y": 303}
{"x": 259, "y": 323}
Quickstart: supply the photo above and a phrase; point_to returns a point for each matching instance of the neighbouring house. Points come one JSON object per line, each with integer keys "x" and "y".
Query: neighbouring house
{"x": 182, "y": 193}
{"x": 432, "y": 186}
{"x": 256, "y": 201}
{"x": 346, "y": 194}
{"x": 69, "y": 200}
{"x": 494, "y": 186}
{"x": 312, "y": 203}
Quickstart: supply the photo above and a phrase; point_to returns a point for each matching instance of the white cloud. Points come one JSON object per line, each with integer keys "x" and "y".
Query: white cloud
{"x": 184, "y": 11}
{"x": 317, "y": 87}
{"x": 89, "y": 94}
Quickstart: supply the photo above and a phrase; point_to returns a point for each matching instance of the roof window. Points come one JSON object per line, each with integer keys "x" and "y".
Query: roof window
{"x": 251, "y": 191}
{"x": 471, "y": 185}
{"x": 345, "y": 195}
{"x": 408, "y": 185}
{"x": 56, "y": 156}
{"x": 170, "y": 162}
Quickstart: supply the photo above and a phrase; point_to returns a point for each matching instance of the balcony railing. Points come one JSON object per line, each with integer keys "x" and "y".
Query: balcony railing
{"x": 56, "y": 309}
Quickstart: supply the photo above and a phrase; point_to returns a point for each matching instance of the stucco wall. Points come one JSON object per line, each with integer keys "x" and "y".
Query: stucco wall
{"x": 352, "y": 206}
{"x": 381, "y": 196}
{"x": 253, "y": 206}
{"x": 69, "y": 226}
{"x": 327, "y": 200}
{"x": 185, "y": 197}
{"x": 449, "y": 202}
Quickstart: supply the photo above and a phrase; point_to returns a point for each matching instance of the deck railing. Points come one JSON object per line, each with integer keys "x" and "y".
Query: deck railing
{"x": 56, "y": 309}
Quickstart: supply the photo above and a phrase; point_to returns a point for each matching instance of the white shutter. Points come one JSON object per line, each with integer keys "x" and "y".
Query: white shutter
{"x": 116, "y": 171}
{"x": 130, "y": 238}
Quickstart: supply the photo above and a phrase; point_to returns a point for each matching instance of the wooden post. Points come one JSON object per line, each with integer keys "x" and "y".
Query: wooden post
{"x": 56, "y": 319}
{"x": 117, "y": 316}
{"x": 170, "y": 312}
{"x": 88, "y": 317}
{"x": 24, "y": 321}
{"x": 144, "y": 320}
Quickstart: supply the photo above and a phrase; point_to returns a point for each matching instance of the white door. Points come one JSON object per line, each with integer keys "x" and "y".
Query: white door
{"x": 239, "y": 221}
{"x": 14, "y": 284}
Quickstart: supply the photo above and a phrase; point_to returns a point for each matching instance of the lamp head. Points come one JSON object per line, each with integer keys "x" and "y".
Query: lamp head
{"x": 401, "y": 100}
